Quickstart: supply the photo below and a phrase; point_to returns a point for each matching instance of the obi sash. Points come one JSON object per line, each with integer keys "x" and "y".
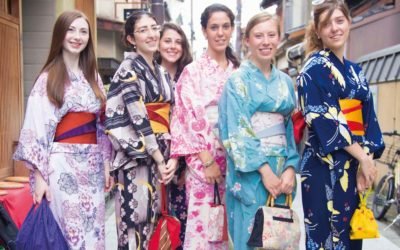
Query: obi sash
{"x": 352, "y": 110}
{"x": 77, "y": 127}
{"x": 269, "y": 128}
{"x": 159, "y": 116}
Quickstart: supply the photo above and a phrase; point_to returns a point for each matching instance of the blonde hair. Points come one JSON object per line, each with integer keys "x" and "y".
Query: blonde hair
{"x": 312, "y": 41}
{"x": 259, "y": 18}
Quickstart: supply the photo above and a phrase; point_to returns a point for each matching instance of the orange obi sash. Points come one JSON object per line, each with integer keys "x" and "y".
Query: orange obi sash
{"x": 77, "y": 127}
{"x": 159, "y": 116}
{"x": 352, "y": 110}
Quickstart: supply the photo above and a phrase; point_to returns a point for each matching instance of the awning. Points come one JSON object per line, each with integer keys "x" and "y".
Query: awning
{"x": 382, "y": 66}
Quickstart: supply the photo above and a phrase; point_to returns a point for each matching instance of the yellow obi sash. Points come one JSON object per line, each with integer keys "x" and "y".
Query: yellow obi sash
{"x": 352, "y": 110}
{"x": 159, "y": 116}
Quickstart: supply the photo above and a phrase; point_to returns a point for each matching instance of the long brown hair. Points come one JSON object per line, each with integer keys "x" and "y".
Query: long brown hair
{"x": 205, "y": 16}
{"x": 312, "y": 41}
{"x": 58, "y": 77}
{"x": 186, "y": 57}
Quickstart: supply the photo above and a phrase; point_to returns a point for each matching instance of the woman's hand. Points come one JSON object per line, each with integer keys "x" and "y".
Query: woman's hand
{"x": 41, "y": 188}
{"x": 366, "y": 174}
{"x": 288, "y": 179}
{"x": 171, "y": 167}
{"x": 271, "y": 182}
{"x": 212, "y": 173}
{"x": 167, "y": 170}
{"x": 109, "y": 180}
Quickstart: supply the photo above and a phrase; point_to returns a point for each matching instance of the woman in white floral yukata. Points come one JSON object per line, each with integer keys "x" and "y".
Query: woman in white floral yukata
{"x": 62, "y": 140}
{"x": 194, "y": 119}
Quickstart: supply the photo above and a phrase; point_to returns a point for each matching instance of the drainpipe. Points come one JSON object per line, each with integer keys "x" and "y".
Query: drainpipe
{"x": 157, "y": 8}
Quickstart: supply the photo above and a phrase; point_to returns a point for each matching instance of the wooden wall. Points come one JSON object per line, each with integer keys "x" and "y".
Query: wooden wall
{"x": 11, "y": 94}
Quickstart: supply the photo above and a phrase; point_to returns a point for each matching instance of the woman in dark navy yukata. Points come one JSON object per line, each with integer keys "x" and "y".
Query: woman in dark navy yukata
{"x": 344, "y": 134}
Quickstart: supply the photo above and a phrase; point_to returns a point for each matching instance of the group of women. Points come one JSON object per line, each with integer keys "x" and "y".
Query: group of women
{"x": 168, "y": 120}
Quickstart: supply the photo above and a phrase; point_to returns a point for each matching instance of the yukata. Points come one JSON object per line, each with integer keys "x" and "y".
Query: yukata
{"x": 329, "y": 186}
{"x": 255, "y": 128}
{"x": 73, "y": 171}
{"x": 177, "y": 190}
{"x": 131, "y": 123}
{"x": 193, "y": 130}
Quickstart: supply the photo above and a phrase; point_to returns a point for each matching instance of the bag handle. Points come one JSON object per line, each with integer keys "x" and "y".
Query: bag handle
{"x": 164, "y": 200}
{"x": 363, "y": 197}
{"x": 217, "y": 197}
{"x": 288, "y": 201}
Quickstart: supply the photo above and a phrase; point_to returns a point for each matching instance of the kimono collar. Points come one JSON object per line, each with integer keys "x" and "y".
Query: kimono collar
{"x": 213, "y": 63}
{"x": 74, "y": 77}
{"x": 248, "y": 65}
{"x": 332, "y": 57}
{"x": 342, "y": 66}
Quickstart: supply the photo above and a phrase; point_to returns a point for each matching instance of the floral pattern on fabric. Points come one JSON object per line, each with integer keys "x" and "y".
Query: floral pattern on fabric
{"x": 137, "y": 203}
{"x": 74, "y": 172}
{"x": 249, "y": 104}
{"x": 193, "y": 129}
{"x": 325, "y": 165}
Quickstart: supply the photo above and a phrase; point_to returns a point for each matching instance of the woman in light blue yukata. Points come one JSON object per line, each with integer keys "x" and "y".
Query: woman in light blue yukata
{"x": 256, "y": 130}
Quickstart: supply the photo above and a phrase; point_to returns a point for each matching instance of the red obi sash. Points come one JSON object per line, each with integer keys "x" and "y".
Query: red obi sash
{"x": 352, "y": 110}
{"x": 77, "y": 127}
{"x": 159, "y": 116}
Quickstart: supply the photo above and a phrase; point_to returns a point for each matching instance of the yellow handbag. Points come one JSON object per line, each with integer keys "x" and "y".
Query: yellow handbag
{"x": 363, "y": 224}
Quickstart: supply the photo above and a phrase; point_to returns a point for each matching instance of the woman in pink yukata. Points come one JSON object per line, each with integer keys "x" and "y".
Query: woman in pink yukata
{"x": 194, "y": 123}
{"x": 62, "y": 140}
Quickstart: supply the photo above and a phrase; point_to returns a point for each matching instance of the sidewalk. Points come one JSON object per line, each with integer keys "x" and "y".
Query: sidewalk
{"x": 382, "y": 243}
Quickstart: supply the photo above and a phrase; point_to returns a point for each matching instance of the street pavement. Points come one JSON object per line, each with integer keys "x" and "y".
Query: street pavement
{"x": 389, "y": 240}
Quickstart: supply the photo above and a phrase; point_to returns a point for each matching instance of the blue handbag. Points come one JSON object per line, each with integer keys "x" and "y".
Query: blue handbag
{"x": 40, "y": 230}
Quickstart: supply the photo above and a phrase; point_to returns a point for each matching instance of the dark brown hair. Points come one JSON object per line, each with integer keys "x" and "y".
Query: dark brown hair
{"x": 57, "y": 71}
{"x": 186, "y": 57}
{"x": 129, "y": 27}
{"x": 312, "y": 42}
{"x": 205, "y": 16}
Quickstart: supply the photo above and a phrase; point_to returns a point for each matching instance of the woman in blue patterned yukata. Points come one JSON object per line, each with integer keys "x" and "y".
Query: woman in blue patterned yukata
{"x": 62, "y": 141}
{"x": 256, "y": 130}
{"x": 344, "y": 134}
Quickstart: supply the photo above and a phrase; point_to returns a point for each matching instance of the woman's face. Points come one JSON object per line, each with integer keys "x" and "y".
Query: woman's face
{"x": 171, "y": 46}
{"x": 77, "y": 37}
{"x": 263, "y": 41}
{"x": 335, "y": 32}
{"x": 218, "y": 31}
{"x": 146, "y": 35}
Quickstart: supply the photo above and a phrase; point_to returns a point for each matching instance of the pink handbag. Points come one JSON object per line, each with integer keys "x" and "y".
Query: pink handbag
{"x": 273, "y": 223}
{"x": 217, "y": 225}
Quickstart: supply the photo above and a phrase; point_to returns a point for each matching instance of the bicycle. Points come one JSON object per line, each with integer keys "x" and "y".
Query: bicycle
{"x": 384, "y": 195}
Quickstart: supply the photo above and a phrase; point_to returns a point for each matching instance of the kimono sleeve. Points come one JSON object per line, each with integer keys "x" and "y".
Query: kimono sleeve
{"x": 135, "y": 106}
{"x": 236, "y": 132}
{"x": 188, "y": 120}
{"x": 38, "y": 130}
{"x": 373, "y": 136}
{"x": 102, "y": 139}
{"x": 293, "y": 157}
{"x": 320, "y": 106}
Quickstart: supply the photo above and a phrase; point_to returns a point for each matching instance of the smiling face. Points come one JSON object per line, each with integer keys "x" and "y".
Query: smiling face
{"x": 334, "y": 31}
{"x": 171, "y": 46}
{"x": 263, "y": 41}
{"x": 146, "y": 35}
{"x": 77, "y": 37}
{"x": 218, "y": 32}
